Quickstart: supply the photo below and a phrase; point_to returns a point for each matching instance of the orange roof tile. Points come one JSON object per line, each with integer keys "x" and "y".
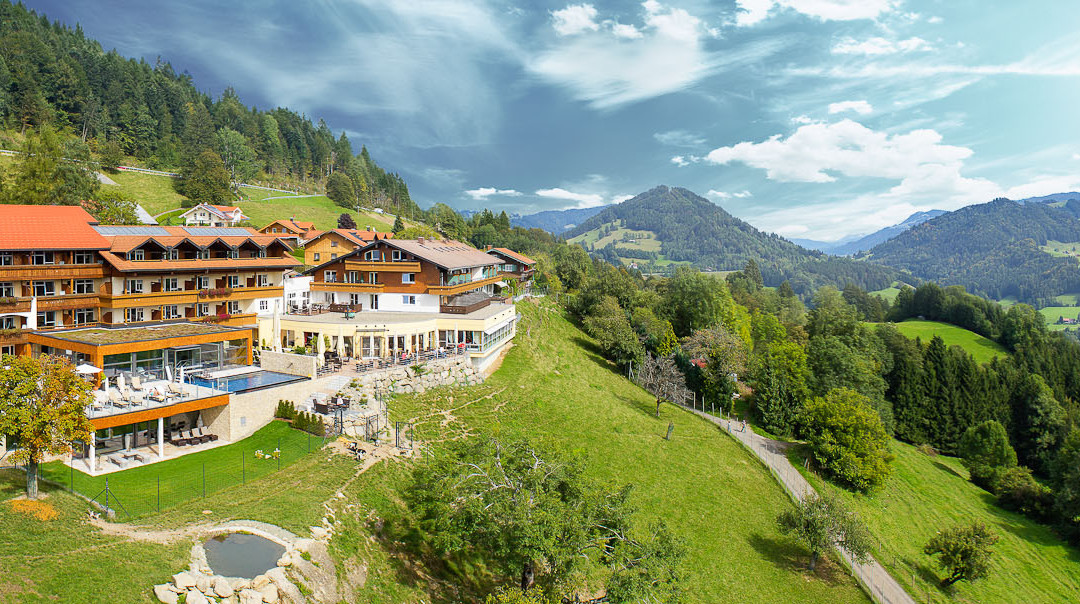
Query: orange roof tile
{"x": 32, "y": 227}
{"x": 522, "y": 258}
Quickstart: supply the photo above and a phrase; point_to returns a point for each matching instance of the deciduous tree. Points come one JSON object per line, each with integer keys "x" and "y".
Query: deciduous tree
{"x": 846, "y": 437}
{"x": 822, "y": 522}
{"x": 965, "y": 552}
{"x": 986, "y": 452}
{"x": 43, "y": 407}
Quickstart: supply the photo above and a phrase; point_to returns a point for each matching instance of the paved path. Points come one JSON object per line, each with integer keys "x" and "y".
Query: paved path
{"x": 883, "y": 588}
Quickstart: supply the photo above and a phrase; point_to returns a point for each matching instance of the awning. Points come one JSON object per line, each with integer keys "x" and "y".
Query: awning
{"x": 500, "y": 325}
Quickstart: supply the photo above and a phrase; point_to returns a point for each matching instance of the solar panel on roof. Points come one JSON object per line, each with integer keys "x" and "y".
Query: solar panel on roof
{"x": 217, "y": 231}
{"x": 131, "y": 230}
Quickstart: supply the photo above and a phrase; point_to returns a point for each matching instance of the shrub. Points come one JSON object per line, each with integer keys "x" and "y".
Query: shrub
{"x": 1017, "y": 490}
{"x": 285, "y": 410}
{"x": 847, "y": 438}
{"x": 965, "y": 552}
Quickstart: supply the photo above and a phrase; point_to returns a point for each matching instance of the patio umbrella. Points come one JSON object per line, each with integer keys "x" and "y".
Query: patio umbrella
{"x": 320, "y": 346}
{"x": 87, "y": 369}
{"x": 341, "y": 341}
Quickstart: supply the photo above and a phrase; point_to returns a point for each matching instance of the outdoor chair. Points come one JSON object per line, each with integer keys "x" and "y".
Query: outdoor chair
{"x": 156, "y": 395}
{"x": 207, "y": 435}
{"x": 322, "y": 408}
{"x": 174, "y": 391}
{"x": 116, "y": 400}
{"x": 136, "y": 383}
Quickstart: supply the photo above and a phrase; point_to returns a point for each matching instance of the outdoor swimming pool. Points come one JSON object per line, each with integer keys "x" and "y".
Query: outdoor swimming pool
{"x": 246, "y": 382}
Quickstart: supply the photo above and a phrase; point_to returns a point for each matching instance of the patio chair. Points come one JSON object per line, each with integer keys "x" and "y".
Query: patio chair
{"x": 136, "y": 398}
{"x": 207, "y": 435}
{"x": 116, "y": 400}
{"x": 136, "y": 383}
{"x": 173, "y": 390}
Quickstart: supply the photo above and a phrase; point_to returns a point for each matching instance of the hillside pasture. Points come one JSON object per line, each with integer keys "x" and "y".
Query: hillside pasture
{"x": 1062, "y": 249}
{"x": 554, "y": 388}
{"x": 983, "y": 349}
{"x": 929, "y": 492}
{"x": 1052, "y": 313}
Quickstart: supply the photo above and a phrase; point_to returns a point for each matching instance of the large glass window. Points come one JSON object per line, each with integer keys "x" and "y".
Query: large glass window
{"x": 134, "y": 286}
{"x": 84, "y": 257}
{"x": 7, "y": 289}
{"x": 84, "y": 286}
{"x": 84, "y": 316}
{"x": 42, "y": 258}
{"x": 7, "y": 259}
{"x": 235, "y": 352}
{"x": 44, "y": 288}
{"x": 149, "y": 360}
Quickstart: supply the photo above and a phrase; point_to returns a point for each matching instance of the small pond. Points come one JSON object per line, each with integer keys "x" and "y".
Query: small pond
{"x": 242, "y": 555}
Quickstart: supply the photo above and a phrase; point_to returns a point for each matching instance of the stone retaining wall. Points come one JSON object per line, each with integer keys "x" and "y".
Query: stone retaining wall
{"x": 287, "y": 362}
{"x": 407, "y": 378}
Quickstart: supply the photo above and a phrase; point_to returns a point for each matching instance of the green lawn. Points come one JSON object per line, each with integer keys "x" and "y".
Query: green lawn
{"x": 983, "y": 349}
{"x": 554, "y": 387}
{"x": 927, "y": 493}
{"x": 1051, "y": 313}
{"x": 69, "y": 560}
{"x": 181, "y": 479}
{"x": 889, "y": 293}
{"x": 154, "y": 193}
{"x": 1062, "y": 249}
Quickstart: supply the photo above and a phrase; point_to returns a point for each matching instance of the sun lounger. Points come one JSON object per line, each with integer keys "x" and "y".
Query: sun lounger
{"x": 174, "y": 391}
{"x": 136, "y": 383}
{"x": 116, "y": 400}
{"x": 157, "y": 395}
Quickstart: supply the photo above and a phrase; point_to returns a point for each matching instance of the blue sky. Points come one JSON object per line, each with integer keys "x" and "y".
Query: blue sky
{"x": 811, "y": 118}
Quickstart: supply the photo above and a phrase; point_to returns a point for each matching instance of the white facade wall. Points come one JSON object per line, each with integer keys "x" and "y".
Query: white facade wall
{"x": 394, "y": 302}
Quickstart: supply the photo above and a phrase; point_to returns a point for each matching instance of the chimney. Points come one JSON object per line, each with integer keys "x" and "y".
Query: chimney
{"x": 368, "y": 227}
{"x": 420, "y": 240}
{"x": 487, "y": 248}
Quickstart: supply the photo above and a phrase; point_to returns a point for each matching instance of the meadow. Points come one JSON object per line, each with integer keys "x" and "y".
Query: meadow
{"x": 929, "y": 492}
{"x": 983, "y": 349}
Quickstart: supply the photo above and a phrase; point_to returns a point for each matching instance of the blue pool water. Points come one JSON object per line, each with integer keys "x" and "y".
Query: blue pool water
{"x": 248, "y": 381}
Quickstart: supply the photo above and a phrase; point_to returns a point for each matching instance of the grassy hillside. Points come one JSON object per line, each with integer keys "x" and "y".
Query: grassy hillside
{"x": 981, "y": 348}
{"x": 156, "y": 194}
{"x": 927, "y": 493}
{"x": 1061, "y": 249}
{"x": 1052, "y": 313}
{"x": 554, "y": 386}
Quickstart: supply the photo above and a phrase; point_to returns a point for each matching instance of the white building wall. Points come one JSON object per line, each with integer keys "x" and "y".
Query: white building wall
{"x": 394, "y": 302}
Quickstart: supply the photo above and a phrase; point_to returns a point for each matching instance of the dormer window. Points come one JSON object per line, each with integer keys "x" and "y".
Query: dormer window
{"x": 260, "y": 253}
{"x": 371, "y": 255}
{"x": 204, "y": 254}
{"x": 137, "y": 255}
{"x": 174, "y": 254}
{"x": 234, "y": 254}
{"x": 398, "y": 255}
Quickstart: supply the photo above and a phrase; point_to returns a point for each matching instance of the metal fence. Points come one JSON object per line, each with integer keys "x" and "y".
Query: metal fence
{"x": 142, "y": 491}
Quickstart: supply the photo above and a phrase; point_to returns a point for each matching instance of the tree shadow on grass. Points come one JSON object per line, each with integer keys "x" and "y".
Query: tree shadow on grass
{"x": 791, "y": 557}
{"x": 945, "y": 468}
{"x": 595, "y": 354}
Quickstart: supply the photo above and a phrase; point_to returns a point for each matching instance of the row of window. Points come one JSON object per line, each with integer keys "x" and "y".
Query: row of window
{"x": 172, "y": 284}
{"x": 172, "y": 311}
{"x": 174, "y": 254}
{"x": 47, "y": 288}
{"x": 41, "y": 258}
{"x": 372, "y": 277}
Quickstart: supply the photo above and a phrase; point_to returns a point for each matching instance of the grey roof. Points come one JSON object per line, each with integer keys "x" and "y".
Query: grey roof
{"x": 218, "y": 231}
{"x": 446, "y": 253}
{"x": 149, "y": 231}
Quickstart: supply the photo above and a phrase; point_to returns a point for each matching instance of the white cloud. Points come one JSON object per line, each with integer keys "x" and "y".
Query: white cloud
{"x": 1076, "y": 156}
{"x": 484, "y": 192}
{"x": 574, "y": 19}
{"x": 725, "y": 195}
{"x": 679, "y": 138}
{"x": 680, "y": 161}
{"x": 935, "y": 20}
{"x": 608, "y": 67}
{"x": 584, "y": 200}
{"x": 879, "y": 46}
{"x": 622, "y": 30}
{"x": 621, "y": 198}
{"x": 860, "y": 107}
{"x": 751, "y": 12}
{"x": 802, "y": 119}
{"x": 816, "y": 151}
{"x": 792, "y": 229}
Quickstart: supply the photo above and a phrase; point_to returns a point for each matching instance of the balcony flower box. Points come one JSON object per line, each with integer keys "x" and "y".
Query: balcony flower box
{"x": 215, "y": 292}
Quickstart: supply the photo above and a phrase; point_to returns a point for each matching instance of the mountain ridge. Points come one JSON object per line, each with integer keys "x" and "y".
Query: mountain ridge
{"x": 854, "y": 244}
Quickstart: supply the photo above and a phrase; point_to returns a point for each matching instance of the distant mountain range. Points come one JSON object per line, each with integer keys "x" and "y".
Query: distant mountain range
{"x": 1056, "y": 197}
{"x": 850, "y": 245}
{"x": 556, "y": 222}
{"x": 667, "y": 226}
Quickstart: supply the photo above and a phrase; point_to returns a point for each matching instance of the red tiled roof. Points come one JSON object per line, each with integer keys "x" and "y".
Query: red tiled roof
{"x": 32, "y": 227}
{"x": 226, "y": 208}
{"x": 299, "y": 227}
{"x": 355, "y": 236}
{"x": 522, "y": 258}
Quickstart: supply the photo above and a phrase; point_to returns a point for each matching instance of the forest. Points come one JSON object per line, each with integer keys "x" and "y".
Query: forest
{"x": 693, "y": 229}
{"x": 992, "y": 249}
{"x": 53, "y": 75}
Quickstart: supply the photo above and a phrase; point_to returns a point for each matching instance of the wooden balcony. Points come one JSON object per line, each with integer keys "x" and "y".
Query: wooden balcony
{"x": 148, "y": 299}
{"x": 383, "y": 267}
{"x": 237, "y": 320}
{"x": 370, "y": 288}
{"x": 67, "y": 302}
{"x": 450, "y": 290}
{"x": 15, "y": 305}
{"x": 28, "y": 272}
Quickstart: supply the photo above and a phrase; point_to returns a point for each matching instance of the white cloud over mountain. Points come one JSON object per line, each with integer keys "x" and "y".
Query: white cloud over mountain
{"x": 860, "y": 107}
{"x": 484, "y": 192}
